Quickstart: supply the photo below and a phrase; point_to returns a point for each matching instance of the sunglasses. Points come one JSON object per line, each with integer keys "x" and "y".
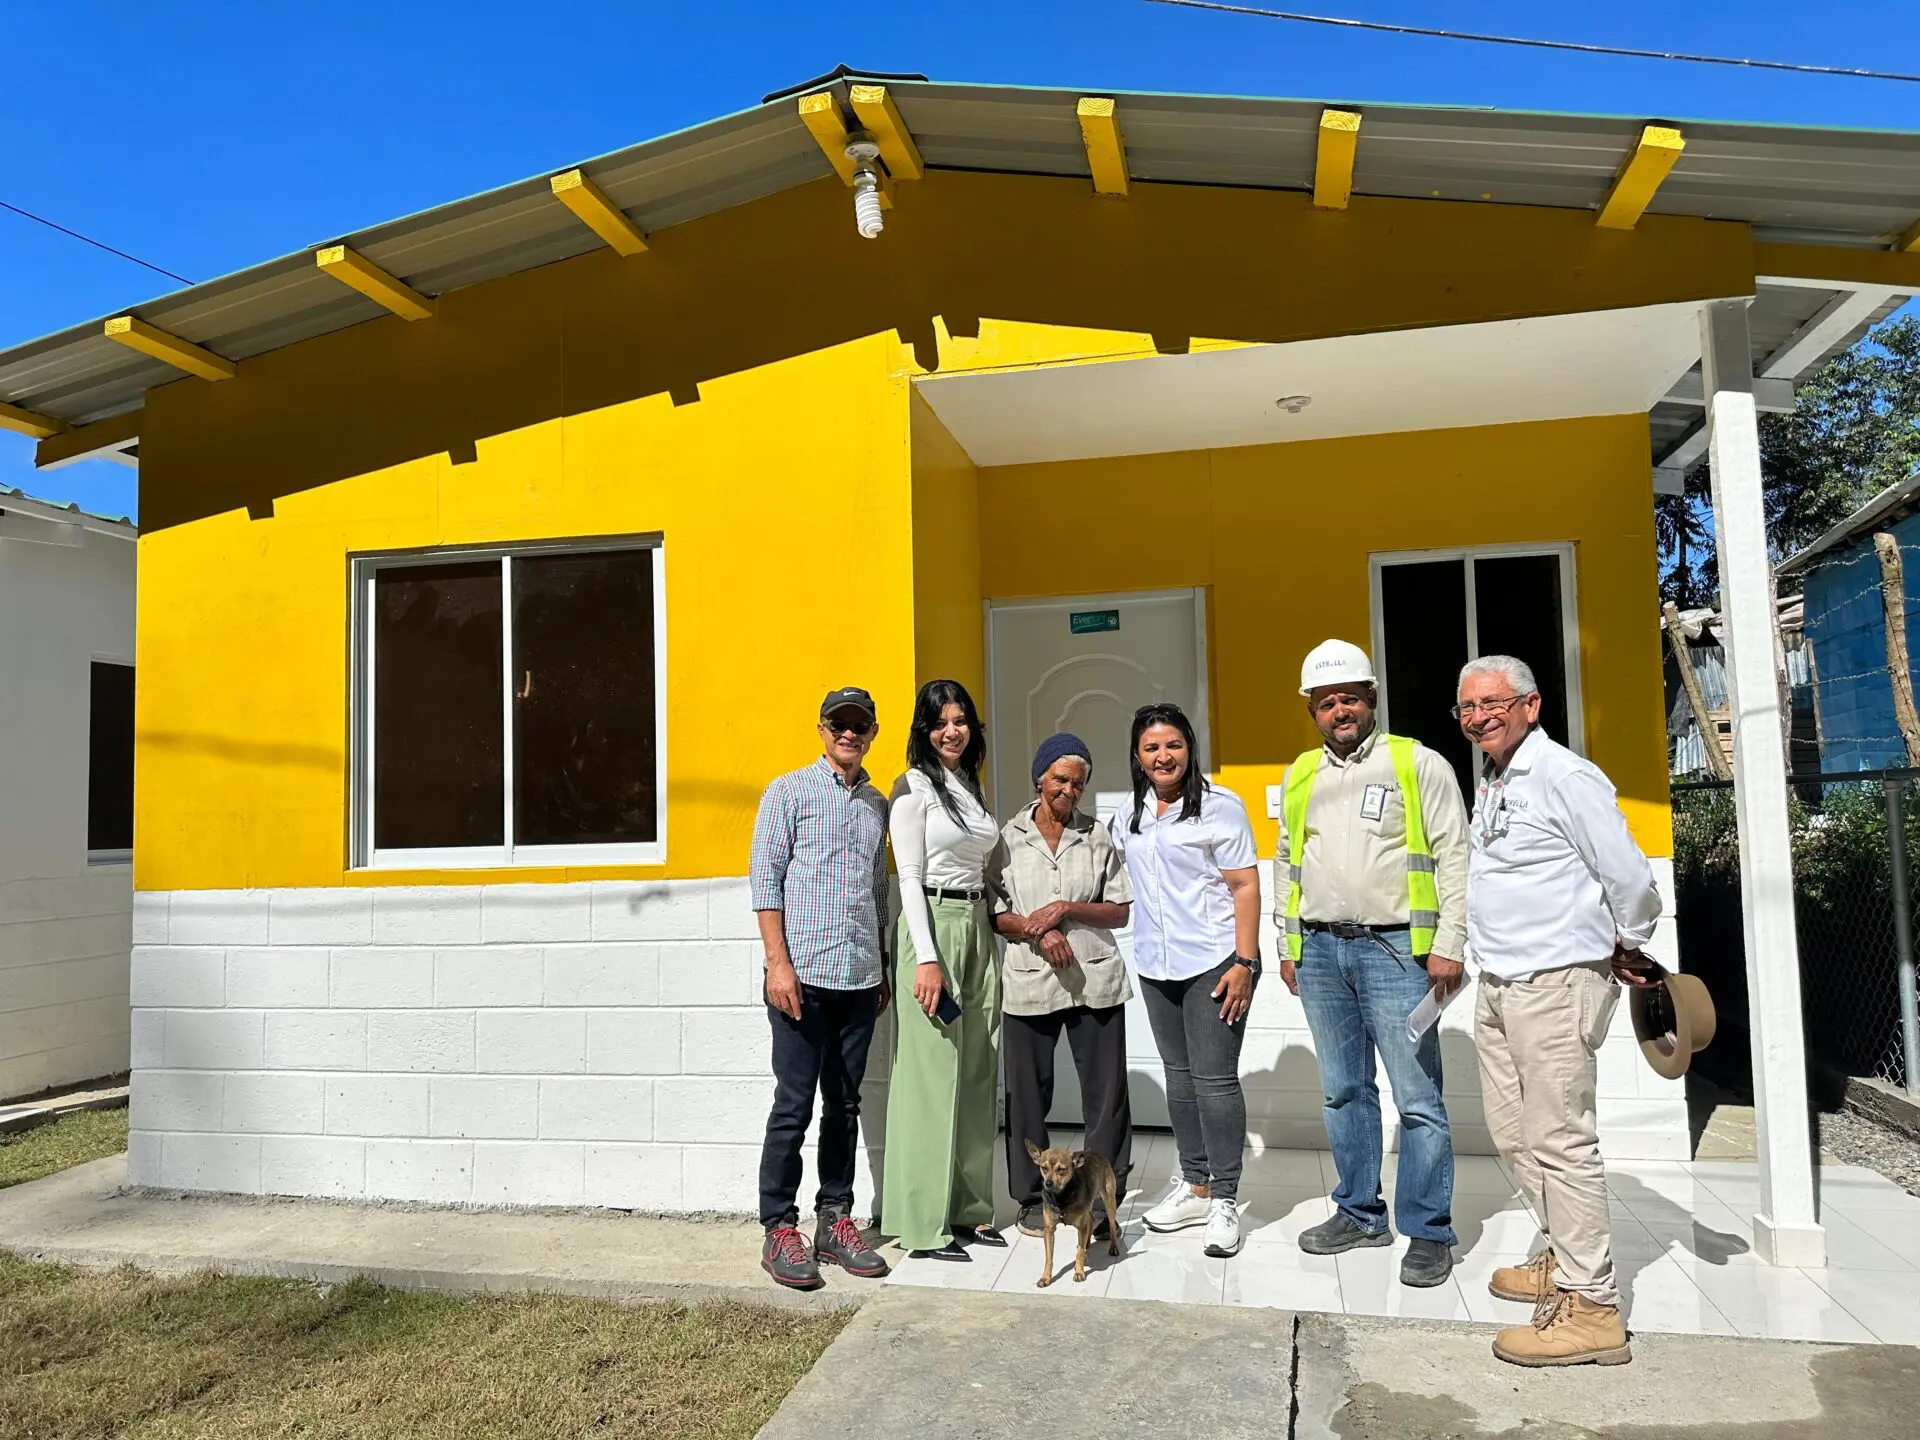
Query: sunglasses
{"x": 857, "y": 727}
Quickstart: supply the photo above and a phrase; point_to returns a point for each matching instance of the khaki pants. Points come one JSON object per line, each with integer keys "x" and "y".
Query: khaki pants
{"x": 1537, "y": 1040}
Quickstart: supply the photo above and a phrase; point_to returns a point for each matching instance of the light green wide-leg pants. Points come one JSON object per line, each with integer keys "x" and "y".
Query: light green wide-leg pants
{"x": 943, "y": 1096}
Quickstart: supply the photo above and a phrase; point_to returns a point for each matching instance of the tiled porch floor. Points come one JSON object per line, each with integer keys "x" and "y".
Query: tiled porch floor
{"x": 1682, "y": 1245}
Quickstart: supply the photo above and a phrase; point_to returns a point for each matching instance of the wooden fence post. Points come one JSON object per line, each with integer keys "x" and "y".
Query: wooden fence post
{"x": 1893, "y": 596}
{"x": 1717, "y": 765}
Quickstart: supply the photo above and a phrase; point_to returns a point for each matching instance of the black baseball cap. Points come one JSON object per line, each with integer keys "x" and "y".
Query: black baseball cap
{"x": 851, "y": 697}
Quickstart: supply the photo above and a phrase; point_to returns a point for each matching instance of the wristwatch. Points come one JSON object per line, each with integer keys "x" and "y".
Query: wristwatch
{"x": 1252, "y": 962}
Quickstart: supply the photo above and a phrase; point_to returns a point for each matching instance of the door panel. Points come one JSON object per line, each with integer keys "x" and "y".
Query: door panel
{"x": 1049, "y": 674}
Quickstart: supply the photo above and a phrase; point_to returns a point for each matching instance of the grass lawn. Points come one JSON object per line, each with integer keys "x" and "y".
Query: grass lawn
{"x": 125, "y": 1354}
{"x": 71, "y": 1140}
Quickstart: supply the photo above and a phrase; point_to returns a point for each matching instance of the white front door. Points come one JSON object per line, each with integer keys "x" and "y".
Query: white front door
{"x": 1085, "y": 664}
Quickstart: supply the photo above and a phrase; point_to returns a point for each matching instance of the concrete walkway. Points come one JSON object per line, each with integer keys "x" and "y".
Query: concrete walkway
{"x": 82, "y": 1217}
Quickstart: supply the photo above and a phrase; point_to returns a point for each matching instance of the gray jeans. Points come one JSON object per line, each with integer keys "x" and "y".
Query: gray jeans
{"x": 1202, "y": 1059}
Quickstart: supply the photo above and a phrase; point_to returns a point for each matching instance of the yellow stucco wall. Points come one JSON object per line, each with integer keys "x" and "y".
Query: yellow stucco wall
{"x": 1280, "y": 536}
{"x": 804, "y": 545}
{"x": 243, "y": 644}
{"x": 949, "y": 625}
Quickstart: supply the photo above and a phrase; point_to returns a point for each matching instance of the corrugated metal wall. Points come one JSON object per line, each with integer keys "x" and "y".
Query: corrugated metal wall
{"x": 1845, "y": 621}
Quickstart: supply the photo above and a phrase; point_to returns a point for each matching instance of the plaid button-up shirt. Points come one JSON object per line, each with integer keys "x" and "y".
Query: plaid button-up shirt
{"x": 820, "y": 857}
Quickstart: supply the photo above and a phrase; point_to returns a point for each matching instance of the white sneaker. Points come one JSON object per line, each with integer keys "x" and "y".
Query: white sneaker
{"x": 1223, "y": 1228}
{"x": 1180, "y": 1210}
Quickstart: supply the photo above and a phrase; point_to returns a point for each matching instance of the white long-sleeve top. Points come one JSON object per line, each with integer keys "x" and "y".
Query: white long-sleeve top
{"x": 1554, "y": 877}
{"x": 930, "y": 849}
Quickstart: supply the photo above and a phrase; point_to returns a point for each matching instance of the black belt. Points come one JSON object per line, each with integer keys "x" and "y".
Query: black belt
{"x": 1341, "y": 929}
{"x": 939, "y": 894}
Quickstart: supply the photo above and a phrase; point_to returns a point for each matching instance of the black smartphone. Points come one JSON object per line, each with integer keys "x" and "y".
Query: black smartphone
{"x": 947, "y": 1009}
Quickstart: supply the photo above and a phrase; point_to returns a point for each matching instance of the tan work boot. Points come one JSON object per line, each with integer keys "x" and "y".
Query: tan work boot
{"x": 1526, "y": 1282}
{"x": 1567, "y": 1329}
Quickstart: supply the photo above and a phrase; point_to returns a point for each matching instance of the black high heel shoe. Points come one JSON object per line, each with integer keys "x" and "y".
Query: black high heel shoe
{"x": 980, "y": 1235}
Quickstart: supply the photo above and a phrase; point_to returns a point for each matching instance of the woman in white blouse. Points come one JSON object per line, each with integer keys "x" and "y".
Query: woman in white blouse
{"x": 941, "y": 1101}
{"x": 1188, "y": 848}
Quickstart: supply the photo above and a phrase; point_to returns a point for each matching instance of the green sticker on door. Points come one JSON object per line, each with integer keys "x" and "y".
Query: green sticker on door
{"x": 1091, "y": 622}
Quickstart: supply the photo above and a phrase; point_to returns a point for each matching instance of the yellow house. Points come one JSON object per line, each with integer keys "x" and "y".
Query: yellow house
{"x": 493, "y": 559}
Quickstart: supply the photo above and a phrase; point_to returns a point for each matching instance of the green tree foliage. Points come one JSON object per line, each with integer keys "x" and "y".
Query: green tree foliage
{"x": 1855, "y": 431}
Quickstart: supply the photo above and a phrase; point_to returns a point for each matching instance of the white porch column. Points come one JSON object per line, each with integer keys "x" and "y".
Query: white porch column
{"x": 1786, "y": 1230}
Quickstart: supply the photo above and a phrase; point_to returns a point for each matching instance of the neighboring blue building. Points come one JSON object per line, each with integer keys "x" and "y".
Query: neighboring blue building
{"x": 1845, "y": 621}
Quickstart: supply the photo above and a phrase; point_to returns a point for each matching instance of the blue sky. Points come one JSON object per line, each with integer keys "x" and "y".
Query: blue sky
{"x": 209, "y": 136}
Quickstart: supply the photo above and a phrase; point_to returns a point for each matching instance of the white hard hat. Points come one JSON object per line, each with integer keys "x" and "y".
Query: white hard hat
{"x": 1334, "y": 662}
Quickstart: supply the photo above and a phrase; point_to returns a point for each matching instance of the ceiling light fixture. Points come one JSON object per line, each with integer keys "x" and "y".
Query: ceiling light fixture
{"x": 863, "y": 152}
{"x": 1293, "y": 404}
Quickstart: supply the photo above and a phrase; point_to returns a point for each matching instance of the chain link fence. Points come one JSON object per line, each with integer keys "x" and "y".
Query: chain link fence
{"x": 1851, "y": 836}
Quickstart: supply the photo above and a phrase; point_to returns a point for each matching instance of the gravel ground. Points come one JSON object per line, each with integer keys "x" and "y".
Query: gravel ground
{"x": 1855, "y": 1140}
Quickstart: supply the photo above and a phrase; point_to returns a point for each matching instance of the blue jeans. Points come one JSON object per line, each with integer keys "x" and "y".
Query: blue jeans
{"x": 1357, "y": 995}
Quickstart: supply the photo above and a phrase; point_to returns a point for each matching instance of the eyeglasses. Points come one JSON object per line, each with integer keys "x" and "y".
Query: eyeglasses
{"x": 1467, "y": 709}
{"x": 857, "y": 727}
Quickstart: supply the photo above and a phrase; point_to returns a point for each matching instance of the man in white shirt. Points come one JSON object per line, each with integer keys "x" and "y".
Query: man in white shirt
{"x": 1559, "y": 902}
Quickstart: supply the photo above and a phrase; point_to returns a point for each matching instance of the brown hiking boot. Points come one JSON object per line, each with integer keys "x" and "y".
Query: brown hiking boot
{"x": 1526, "y": 1283}
{"x": 1567, "y": 1329}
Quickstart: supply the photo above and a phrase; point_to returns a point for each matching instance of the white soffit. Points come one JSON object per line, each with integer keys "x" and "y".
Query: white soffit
{"x": 1608, "y": 362}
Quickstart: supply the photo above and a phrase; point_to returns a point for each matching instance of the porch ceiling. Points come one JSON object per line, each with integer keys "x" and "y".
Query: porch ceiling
{"x": 1611, "y": 362}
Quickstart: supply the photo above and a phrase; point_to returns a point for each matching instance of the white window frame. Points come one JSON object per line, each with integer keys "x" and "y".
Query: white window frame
{"x": 1562, "y": 550}
{"x": 122, "y": 856}
{"x": 364, "y": 855}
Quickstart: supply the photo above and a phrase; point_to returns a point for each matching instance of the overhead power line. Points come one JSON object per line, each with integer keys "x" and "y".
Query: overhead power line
{"x": 97, "y": 244}
{"x": 1436, "y": 34}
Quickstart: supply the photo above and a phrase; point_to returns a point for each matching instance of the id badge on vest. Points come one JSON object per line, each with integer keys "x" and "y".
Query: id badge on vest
{"x": 1373, "y": 802}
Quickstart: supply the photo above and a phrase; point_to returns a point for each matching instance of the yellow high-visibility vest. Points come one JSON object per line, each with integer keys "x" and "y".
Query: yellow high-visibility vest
{"x": 1423, "y": 892}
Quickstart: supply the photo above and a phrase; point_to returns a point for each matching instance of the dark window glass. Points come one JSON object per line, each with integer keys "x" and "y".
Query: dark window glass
{"x": 110, "y": 758}
{"x": 438, "y": 767}
{"x": 583, "y": 701}
{"x": 1517, "y": 598}
{"x": 1424, "y": 615}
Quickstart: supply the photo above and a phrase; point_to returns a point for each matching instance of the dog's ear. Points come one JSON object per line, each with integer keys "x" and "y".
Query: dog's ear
{"x": 1033, "y": 1152}
{"x": 1079, "y": 1159}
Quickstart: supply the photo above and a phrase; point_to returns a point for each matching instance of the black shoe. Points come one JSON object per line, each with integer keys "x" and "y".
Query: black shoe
{"x": 1426, "y": 1264}
{"x": 838, "y": 1241}
{"x": 786, "y": 1256}
{"x": 980, "y": 1235}
{"x": 1032, "y": 1220}
{"x": 1102, "y": 1230}
{"x": 952, "y": 1250}
{"x": 1333, "y": 1237}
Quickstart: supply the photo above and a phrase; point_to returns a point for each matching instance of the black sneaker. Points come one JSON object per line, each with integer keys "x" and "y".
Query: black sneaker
{"x": 1332, "y": 1237}
{"x": 788, "y": 1258}
{"x": 1426, "y": 1264}
{"x": 838, "y": 1241}
{"x": 1032, "y": 1220}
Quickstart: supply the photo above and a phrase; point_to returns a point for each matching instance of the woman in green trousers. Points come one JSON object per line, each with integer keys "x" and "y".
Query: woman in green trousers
{"x": 942, "y": 1099}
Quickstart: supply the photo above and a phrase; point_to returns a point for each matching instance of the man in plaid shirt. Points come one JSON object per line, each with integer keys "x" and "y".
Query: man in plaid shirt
{"x": 819, "y": 879}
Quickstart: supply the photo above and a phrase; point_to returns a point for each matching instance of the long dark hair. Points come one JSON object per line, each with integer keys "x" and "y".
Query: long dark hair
{"x": 933, "y": 698}
{"x": 1193, "y": 785}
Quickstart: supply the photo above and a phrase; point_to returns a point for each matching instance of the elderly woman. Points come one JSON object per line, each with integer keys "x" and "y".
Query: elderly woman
{"x": 1059, "y": 890}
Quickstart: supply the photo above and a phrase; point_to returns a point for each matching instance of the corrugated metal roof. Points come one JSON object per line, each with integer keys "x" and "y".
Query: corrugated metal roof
{"x": 1890, "y": 504}
{"x": 1826, "y": 186}
{"x": 20, "y": 503}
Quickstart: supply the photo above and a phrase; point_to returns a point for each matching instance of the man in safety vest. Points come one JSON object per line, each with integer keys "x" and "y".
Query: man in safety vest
{"x": 1372, "y": 901}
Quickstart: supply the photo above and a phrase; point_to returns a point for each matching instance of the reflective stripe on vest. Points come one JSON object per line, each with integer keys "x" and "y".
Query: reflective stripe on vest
{"x": 1423, "y": 892}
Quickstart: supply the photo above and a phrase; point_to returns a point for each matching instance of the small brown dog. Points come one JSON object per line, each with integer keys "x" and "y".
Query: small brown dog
{"x": 1070, "y": 1182}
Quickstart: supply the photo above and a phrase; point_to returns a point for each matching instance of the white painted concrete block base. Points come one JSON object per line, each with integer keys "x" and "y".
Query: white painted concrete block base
{"x": 597, "y": 1044}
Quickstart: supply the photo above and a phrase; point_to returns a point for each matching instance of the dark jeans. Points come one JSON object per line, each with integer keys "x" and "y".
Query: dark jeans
{"x": 1027, "y": 1047}
{"x": 1358, "y": 994}
{"x": 1202, "y": 1059}
{"x": 824, "y": 1050}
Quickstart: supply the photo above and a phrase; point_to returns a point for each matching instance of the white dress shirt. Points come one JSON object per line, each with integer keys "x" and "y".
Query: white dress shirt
{"x": 931, "y": 850}
{"x": 1182, "y": 909}
{"x": 1554, "y": 878}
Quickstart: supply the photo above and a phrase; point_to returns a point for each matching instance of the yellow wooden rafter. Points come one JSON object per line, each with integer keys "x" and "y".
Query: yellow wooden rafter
{"x": 1333, "y": 164}
{"x": 28, "y": 422}
{"x": 1633, "y": 188}
{"x": 81, "y": 442}
{"x": 137, "y": 334}
{"x": 820, "y": 113}
{"x": 600, "y": 215}
{"x": 1910, "y": 240}
{"x": 874, "y": 108}
{"x": 355, "y": 271}
{"x": 1106, "y": 150}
